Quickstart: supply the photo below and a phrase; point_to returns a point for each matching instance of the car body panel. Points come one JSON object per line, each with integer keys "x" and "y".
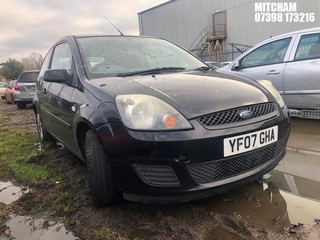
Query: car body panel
{"x": 302, "y": 84}
{"x": 68, "y": 108}
{"x": 297, "y": 77}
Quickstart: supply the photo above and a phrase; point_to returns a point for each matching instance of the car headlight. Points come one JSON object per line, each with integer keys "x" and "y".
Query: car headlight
{"x": 144, "y": 112}
{"x": 268, "y": 85}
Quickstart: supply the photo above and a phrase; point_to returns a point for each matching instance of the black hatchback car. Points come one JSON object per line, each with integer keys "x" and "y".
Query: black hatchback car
{"x": 153, "y": 123}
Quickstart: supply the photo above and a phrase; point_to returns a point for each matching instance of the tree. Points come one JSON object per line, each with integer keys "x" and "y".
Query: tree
{"x": 33, "y": 62}
{"x": 11, "y": 69}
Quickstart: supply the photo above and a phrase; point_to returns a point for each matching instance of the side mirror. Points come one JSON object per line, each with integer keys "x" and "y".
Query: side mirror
{"x": 56, "y": 75}
{"x": 235, "y": 66}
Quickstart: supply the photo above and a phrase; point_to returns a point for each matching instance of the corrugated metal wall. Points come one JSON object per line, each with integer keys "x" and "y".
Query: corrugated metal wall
{"x": 181, "y": 21}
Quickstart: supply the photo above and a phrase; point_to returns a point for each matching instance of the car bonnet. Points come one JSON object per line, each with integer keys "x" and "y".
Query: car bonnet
{"x": 191, "y": 94}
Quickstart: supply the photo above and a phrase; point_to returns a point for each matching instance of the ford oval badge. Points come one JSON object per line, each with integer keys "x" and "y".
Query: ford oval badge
{"x": 246, "y": 114}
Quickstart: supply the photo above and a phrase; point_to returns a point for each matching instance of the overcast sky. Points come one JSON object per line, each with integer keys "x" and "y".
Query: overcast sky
{"x": 28, "y": 26}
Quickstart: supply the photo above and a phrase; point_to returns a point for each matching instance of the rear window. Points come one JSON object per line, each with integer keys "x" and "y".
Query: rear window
{"x": 28, "y": 77}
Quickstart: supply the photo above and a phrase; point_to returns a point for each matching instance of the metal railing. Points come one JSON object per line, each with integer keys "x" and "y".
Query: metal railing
{"x": 200, "y": 39}
{"x": 224, "y": 55}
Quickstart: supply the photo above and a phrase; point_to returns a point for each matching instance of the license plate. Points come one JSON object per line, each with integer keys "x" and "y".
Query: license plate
{"x": 251, "y": 141}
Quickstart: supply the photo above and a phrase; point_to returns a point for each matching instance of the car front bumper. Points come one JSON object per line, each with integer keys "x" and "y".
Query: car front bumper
{"x": 182, "y": 165}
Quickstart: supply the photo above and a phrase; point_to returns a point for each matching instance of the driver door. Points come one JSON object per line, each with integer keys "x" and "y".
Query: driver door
{"x": 59, "y": 109}
{"x": 266, "y": 62}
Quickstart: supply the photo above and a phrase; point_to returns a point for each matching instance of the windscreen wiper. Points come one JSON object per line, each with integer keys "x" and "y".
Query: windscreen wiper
{"x": 151, "y": 71}
{"x": 204, "y": 68}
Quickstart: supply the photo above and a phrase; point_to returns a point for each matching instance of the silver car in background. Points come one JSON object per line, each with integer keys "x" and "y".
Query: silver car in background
{"x": 292, "y": 63}
{"x": 25, "y": 88}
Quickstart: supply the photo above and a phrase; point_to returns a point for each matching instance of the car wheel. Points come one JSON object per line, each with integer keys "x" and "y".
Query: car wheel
{"x": 21, "y": 105}
{"x": 42, "y": 132}
{"x": 102, "y": 186}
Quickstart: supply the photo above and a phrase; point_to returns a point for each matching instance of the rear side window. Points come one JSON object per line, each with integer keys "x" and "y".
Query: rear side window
{"x": 309, "y": 47}
{"x": 270, "y": 53}
{"x": 26, "y": 77}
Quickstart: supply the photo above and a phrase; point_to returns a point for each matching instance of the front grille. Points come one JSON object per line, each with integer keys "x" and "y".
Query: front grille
{"x": 232, "y": 115}
{"x": 157, "y": 175}
{"x": 229, "y": 167}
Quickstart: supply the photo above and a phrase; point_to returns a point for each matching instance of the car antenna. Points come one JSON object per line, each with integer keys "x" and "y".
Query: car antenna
{"x": 114, "y": 26}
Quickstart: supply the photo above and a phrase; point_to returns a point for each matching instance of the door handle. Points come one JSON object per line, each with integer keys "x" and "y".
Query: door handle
{"x": 273, "y": 72}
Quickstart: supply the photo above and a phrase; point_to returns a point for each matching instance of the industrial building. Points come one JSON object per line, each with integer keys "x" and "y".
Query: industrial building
{"x": 218, "y": 30}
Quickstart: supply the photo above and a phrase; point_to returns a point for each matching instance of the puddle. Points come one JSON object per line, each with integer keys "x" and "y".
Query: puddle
{"x": 298, "y": 177}
{"x": 10, "y": 193}
{"x": 27, "y": 228}
{"x": 301, "y": 210}
{"x": 298, "y": 174}
{"x": 258, "y": 204}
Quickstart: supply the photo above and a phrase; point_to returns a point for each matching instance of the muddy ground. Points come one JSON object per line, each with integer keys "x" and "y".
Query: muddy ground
{"x": 256, "y": 211}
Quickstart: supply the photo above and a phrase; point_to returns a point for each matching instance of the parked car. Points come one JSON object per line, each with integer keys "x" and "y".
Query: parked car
{"x": 153, "y": 123}
{"x": 9, "y": 91}
{"x": 292, "y": 63}
{"x": 2, "y": 90}
{"x": 25, "y": 88}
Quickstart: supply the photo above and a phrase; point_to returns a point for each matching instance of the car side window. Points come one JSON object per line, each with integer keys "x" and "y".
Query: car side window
{"x": 46, "y": 64}
{"x": 269, "y": 53}
{"x": 309, "y": 47}
{"x": 62, "y": 57}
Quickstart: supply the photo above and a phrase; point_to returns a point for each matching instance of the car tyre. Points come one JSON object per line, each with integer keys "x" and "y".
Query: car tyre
{"x": 21, "y": 105}
{"x": 101, "y": 182}
{"x": 44, "y": 136}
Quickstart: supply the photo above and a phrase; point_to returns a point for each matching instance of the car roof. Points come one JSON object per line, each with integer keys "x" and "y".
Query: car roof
{"x": 104, "y": 35}
{"x": 298, "y": 32}
{"x": 289, "y": 34}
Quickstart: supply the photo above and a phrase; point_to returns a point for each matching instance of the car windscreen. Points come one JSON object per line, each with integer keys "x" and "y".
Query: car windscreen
{"x": 120, "y": 56}
{"x": 28, "y": 77}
